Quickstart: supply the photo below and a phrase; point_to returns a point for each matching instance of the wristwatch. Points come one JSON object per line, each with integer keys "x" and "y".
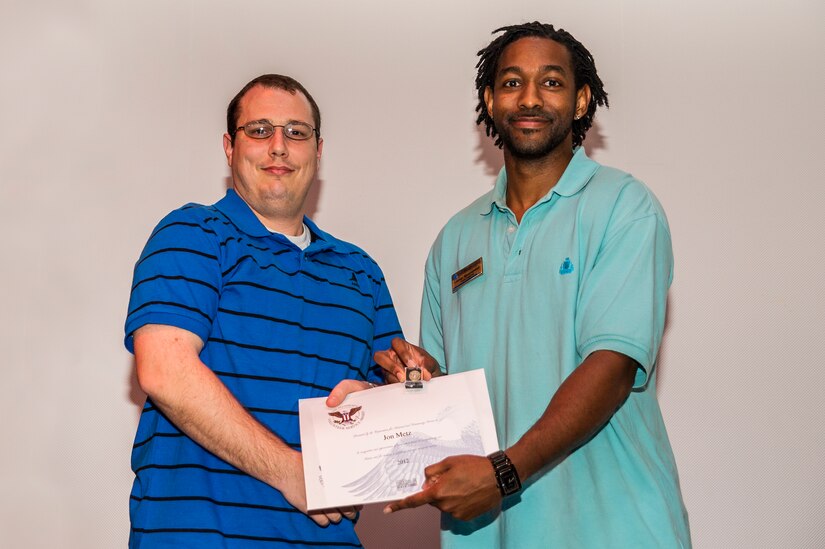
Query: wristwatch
{"x": 506, "y": 474}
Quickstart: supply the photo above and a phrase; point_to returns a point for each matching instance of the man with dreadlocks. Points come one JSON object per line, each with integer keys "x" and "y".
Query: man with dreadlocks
{"x": 555, "y": 283}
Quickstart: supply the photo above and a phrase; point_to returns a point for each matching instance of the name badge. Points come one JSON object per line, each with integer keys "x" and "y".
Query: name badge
{"x": 468, "y": 273}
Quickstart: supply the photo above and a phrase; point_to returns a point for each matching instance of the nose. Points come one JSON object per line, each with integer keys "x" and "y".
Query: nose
{"x": 530, "y": 97}
{"x": 277, "y": 144}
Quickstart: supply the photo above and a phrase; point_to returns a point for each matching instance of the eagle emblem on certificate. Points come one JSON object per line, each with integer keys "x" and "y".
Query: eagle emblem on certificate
{"x": 346, "y": 417}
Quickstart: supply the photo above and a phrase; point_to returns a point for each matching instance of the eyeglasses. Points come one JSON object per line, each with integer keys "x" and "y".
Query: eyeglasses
{"x": 263, "y": 129}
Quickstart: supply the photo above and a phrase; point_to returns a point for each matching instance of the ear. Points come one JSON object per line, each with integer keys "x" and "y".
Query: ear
{"x": 582, "y": 101}
{"x": 227, "y": 148}
{"x": 320, "y": 148}
{"x": 488, "y": 99}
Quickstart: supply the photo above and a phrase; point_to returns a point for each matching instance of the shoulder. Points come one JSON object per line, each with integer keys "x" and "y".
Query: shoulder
{"x": 189, "y": 231}
{"x": 460, "y": 231}
{"x": 350, "y": 255}
{"x": 620, "y": 197}
{"x": 192, "y": 214}
{"x": 468, "y": 218}
{"x": 355, "y": 254}
{"x": 191, "y": 221}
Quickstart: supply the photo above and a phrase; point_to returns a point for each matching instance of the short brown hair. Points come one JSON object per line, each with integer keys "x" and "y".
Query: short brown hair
{"x": 276, "y": 81}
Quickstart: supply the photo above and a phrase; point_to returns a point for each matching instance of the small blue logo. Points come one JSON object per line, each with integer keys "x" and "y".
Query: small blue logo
{"x": 566, "y": 267}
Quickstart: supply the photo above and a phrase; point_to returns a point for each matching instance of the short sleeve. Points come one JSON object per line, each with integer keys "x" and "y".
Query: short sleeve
{"x": 432, "y": 336}
{"x": 177, "y": 279}
{"x": 623, "y": 294}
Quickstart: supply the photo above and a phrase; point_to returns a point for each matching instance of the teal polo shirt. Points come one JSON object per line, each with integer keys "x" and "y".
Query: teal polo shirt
{"x": 587, "y": 269}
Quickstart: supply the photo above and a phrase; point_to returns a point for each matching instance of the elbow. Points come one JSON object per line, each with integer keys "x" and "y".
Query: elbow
{"x": 164, "y": 360}
{"x": 147, "y": 378}
{"x": 619, "y": 375}
{"x": 151, "y": 376}
{"x": 626, "y": 376}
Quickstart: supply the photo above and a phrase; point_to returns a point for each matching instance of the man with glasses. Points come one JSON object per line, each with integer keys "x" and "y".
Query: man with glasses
{"x": 238, "y": 310}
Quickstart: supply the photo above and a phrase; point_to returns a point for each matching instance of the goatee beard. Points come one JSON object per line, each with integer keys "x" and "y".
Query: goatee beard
{"x": 533, "y": 150}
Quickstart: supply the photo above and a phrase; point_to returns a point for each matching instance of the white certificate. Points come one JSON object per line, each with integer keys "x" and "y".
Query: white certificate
{"x": 374, "y": 447}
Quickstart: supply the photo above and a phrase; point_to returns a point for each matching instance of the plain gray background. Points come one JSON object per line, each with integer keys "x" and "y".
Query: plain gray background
{"x": 112, "y": 114}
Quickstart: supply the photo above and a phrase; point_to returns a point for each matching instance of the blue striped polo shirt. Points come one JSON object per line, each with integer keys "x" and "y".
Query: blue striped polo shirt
{"x": 278, "y": 324}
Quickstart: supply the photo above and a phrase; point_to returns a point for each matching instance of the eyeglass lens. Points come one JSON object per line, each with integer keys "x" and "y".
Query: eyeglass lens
{"x": 262, "y": 129}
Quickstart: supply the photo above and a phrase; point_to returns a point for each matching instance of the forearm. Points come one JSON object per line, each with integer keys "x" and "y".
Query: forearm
{"x": 199, "y": 404}
{"x": 584, "y": 402}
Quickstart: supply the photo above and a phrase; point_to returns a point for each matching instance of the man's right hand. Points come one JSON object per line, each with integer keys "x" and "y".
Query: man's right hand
{"x": 292, "y": 488}
{"x": 403, "y": 353}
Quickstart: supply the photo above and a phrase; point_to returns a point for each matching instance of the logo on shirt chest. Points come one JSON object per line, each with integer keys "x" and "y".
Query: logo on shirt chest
{"x": 566, "y": 267}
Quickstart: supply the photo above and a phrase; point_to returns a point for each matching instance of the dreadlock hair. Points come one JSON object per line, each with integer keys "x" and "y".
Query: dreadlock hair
{"x": 272, "y": 81}
{"x": 584, "y": 72}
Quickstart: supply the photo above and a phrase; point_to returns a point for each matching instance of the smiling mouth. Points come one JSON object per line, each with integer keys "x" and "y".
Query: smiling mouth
{"x": 278, "y": 170}
{"x": 529, "y": 121}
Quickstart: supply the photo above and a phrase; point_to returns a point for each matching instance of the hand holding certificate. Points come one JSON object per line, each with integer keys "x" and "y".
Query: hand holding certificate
{"x": 375, "y": 445}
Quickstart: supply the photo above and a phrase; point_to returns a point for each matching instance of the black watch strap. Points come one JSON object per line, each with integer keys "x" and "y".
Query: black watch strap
{"x": 506, "y": 474}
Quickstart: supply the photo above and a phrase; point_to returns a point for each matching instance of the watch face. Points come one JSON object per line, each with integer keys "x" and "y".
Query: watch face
{"x": 506, "y": 475}
{"x": 509, "y": 483}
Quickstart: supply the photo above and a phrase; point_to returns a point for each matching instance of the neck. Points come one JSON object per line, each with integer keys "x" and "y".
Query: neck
{"x": 291, "y": 223}
{"x": 291, "y": 227}
{"x": 528, "y": 180}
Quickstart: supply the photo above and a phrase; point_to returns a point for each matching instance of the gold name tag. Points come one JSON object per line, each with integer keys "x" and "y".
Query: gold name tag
{"x": 468, "y": 273}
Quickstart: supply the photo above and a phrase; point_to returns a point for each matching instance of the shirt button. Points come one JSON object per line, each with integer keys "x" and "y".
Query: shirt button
{"x": 511, "y": 229}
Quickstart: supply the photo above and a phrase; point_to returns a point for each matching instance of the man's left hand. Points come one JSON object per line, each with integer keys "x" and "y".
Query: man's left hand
{"x": 463, "y": 486}
{"x": 340, "y": 391}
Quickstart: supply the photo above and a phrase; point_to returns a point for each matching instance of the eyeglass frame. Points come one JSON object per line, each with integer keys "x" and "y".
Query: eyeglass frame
{"x": 283, "y": 130}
